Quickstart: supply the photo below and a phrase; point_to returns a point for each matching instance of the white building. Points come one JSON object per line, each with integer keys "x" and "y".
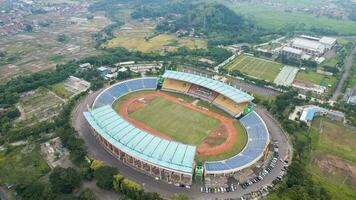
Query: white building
{"x": 328, "y": 42}
{"x": 85, "y": 65}
{"x": 292, "y": 52}
{"x": 310, "y": 47}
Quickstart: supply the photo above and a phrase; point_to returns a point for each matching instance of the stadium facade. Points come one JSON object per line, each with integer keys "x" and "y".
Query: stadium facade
{"x": 164, "y": 159}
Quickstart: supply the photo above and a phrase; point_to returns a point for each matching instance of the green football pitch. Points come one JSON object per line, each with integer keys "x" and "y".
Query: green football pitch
{"x": 176, "y": 121}
{"x": 255, "y": 67}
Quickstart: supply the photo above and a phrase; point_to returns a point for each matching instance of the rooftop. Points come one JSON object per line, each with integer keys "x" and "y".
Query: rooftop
{"x": 140, "y": 144}
{"x": 327, "y": 40}
{"x": 234, "y": 94}
{"x": 308, "y": 44}
{"x": 293, "y": 50}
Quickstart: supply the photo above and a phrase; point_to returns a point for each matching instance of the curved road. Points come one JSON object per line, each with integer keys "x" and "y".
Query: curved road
{"x": 166, "y": 190}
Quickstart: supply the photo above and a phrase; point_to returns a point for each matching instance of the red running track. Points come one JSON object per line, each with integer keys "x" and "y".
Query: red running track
{"x": 201, "y": 149}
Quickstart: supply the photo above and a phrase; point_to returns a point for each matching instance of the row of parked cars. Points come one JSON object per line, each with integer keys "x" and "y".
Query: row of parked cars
{"x": 229, "y": 188}
{"x": 264, "y": 172}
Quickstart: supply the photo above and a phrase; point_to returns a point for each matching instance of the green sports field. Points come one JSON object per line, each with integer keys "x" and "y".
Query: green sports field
{"x": 176, "y": 121}
{"x": 255, "y": 67}
{"x": 313, "y": 77}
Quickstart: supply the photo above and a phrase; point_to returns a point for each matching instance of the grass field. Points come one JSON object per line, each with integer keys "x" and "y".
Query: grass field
{"x": 333, "y": 157}
{"x": 60, "y": 90}
{"x": 161, "y": 43}
{"x": 313, "y": 77}
{"x": 178, "y": 122}
{"x": 276, "y": 18}
{"x": 255, "y": 67}
{"x": 239, "y": 145}
{"x": 22, "y": 164}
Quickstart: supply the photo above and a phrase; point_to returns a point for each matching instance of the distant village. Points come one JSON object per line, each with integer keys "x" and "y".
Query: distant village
{"x": 14, "y": 18}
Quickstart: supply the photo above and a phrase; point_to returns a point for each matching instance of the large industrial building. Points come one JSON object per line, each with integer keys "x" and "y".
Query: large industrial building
{"x": 304, "y": 46}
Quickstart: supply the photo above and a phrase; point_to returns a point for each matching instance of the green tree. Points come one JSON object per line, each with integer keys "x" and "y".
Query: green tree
{"x": 64, "y": 180}
{"x": 35, "y": 191}
{"x": 87, "y": 194}
{"x": 105, "y": 176}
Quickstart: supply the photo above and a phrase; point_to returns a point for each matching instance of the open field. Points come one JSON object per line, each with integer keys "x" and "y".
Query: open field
{"x": 255, "y": 67}
{"x": 239, "y": 145}
{"x": 160, "y": 43}
{"x": 39, "y": 105}
{"x": 313, "y": 77}
{"x": 61, "y": 91}
{"x": 30, "y": 52}
{"x": 273, "y": 18}
{"x": 333, "y": 158}
{"x": 22, "y": 164}
{"x": 178, "y": 122}
{"x": 335, "y": 139}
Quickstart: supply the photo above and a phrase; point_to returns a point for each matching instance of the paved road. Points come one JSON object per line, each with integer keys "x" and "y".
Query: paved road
{"x": 345, "y": 74}
{"x": 3, "y": 194}
{"x": 166, "y": 190}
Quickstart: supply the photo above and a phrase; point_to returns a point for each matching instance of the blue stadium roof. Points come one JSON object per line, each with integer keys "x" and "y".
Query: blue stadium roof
{"x": 109, "y": 95}
{"x": 235, "y": 94}
{"x": 140, "y": 144}
{"x": 258, "y": 138}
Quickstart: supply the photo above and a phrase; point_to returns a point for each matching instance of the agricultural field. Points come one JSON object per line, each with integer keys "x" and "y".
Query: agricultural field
{"x": 22, "y": 164}
{"x": 39, "y": 105}
{"x": 315, "y": 78}
{"x": 176, "y": 121}
{"x": 333, "y": 160}
{"x": 274, "y": 18}
{"x": 161, "y": 43}
{"x": 255, "y": 67}
{"x": 30, "y": 52}
{"x": 137, "y": 35}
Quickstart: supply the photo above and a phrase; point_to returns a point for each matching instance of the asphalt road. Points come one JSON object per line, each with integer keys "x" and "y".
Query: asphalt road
{"x": 3, "y": 195}
{"x": 345, "y": 74}
{"x": 166, "y": 190}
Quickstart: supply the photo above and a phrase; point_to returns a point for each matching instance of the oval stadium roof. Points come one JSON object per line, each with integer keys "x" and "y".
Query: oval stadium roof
{"x": 257, "y": 140}
{"x": 140, "y": 144}
{"x": 234, "y": 94}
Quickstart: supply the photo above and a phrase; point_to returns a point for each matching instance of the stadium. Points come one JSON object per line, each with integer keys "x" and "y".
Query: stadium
{"x": 179, "y": 126}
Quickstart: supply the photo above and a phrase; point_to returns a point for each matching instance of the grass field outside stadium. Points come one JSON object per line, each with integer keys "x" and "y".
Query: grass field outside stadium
{"x": 333, "y": 156}
{"x": 255, "y": 67}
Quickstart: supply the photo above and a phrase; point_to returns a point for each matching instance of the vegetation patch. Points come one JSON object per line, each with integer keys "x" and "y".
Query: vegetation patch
{"x": 22, "y": 164}
{"x": 311, "y": 76}
{"x": 161, "y": 43}
{"x": 61, "y": 91}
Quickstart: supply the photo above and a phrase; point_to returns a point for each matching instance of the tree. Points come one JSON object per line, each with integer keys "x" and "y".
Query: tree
{"x": 35, "y": 191}
{"x": 179, "y": 197}
{"x": 105, "y": 176}
{"x": 64, "y": 180}
{"x": 117, "y": 182}
{"x": 96, "y": 164}
{"x": 87, "y": 194}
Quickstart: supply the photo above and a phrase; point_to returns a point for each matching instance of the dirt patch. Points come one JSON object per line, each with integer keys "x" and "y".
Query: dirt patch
{"x": 138, "y": 103}
{"x": 210, "y": 146}
{"x": 335, "y": 166}
{"x": 216, "y": 137}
